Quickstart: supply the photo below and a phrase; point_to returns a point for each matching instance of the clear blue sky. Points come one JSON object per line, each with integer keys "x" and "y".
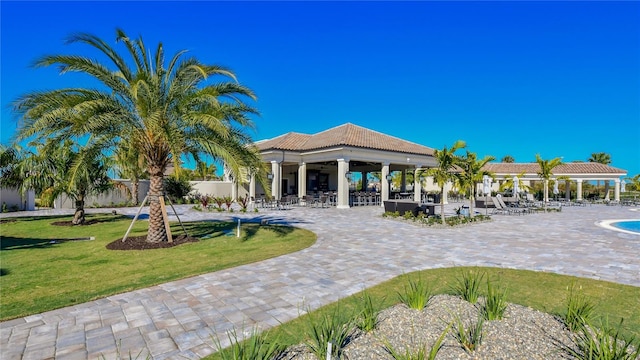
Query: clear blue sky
{"x": 561, "y": 79}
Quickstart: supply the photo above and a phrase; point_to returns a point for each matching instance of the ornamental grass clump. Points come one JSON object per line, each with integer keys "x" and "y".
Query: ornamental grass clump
{"x": 495, "y": 302}
{"x": 421, "y": 352}
{"x": 469, "y": 336}
{"x": 368, "y": 318}
{"x": 416, "y": 295}
{"x": 579, "y": 309}
{"x": 605, "y": 343}
{"x": 255, "y": 347}
{"x": 334, "y": 328}
{"x": 468, "y": 285}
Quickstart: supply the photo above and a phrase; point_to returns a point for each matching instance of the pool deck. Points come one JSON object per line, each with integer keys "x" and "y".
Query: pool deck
{"x": 356, "y": 249}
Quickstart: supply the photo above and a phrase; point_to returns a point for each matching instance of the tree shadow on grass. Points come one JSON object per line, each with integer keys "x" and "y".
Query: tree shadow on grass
{"x": 16, "y": 243}
{"x": 4, "y": 271}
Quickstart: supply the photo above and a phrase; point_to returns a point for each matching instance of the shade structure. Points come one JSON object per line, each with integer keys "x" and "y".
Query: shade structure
{"x": 623, "y": 186}
{"x": 555, "y": 187}
{"x": 486, "y": 185}
{"x": 516, "y": 186}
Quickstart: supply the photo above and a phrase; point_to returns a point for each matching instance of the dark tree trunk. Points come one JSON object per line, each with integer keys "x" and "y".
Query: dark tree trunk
{"x": 78, "y": 216}
{"x": 157, "y": 232}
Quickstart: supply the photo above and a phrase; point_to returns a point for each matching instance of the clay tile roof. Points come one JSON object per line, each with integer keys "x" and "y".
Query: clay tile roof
{"x": 566, "y": 168}
{"x": 343, "y": 135}
{"x": 288, "y": 141}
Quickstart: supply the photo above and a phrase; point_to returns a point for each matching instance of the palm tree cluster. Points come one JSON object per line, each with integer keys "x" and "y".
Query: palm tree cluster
{"x": 465, "y": 171}
{"x": 147, "y": 113}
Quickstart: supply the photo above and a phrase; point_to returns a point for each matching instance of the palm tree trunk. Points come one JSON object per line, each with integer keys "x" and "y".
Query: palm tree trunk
{"x": 78, "y": 216}
{"x": 134, "y": 190}
{"x": 472, "y": 201}
{"x": 442, "y": 204}
{"x": 157, "y": 232}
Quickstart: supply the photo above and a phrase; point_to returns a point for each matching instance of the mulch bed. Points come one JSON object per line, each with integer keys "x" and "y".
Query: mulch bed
{"x": 4, "y": 221}
{"x": 140, "y": 243}
{"x": 70, "y": 223}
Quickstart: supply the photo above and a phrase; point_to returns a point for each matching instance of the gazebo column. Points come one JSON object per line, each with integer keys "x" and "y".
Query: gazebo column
{"x": 384, "y": 184}
{"x": 579, "y": 189}
{"x": 275, "y": 182}
{"x": 567, "y": 190}
{"x": 302, "y": 179}
{"x": 252, "y": 188}
{"x": 343, "y": 184}
{"x": 445, "y": 193}
{"x": 417, "y": 186}
{"x": 403, "y": 181}
{"x": 616, "y": 191}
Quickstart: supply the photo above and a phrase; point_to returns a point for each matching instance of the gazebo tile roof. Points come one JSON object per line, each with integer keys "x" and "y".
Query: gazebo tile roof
{"x": 566, "y": 168}
{"x": 343, "y": 135}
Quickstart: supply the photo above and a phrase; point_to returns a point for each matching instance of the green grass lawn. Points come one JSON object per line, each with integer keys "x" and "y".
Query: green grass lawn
{"x": 37, "y": 274}
{"x": 543, "y": 291}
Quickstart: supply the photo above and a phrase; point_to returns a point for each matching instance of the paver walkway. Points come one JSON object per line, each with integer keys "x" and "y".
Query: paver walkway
{"x": 356, "y": 248}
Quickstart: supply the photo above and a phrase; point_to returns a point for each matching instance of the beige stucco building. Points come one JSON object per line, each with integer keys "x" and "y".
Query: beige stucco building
{"x": 325, "y": 161}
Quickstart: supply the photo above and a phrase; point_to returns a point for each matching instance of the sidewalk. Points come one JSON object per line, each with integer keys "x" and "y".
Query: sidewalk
{"x": 356, "y": 248}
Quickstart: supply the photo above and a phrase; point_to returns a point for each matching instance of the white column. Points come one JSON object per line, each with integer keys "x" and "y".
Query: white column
{"x": 616, "y": 191}
{"x": 445, "y": 192}
{"x": 252, "y": 187}
{"x": 579, "y": 189}
{"x": 30, "y": 201}
{"x": 275, "y": 182}
{"x": 234, "y": 188}
{"x": 343, "y": 184}
{"x": 384, "y": 184}
{"x": 417, "y": 186}
{"x": 302, "y": 179}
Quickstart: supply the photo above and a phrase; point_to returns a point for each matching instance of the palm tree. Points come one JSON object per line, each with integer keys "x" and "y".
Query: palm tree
{"x": 472, "y": 174}
{"x": 545, "y": 173}
{"x": 130, "y": 164}
{"x": 634, "y": 182}
{"x": 166, "y": 110}
{"x": 508, "y": 159}
{"x": 443, "y": 173}
{"x": 602, "y": 158}
{"x": 508, "y": 182}
{"x": 205, "y": 171}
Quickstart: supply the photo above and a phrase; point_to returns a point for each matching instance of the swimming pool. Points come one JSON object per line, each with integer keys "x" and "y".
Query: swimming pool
{"x": 629, "y": 226}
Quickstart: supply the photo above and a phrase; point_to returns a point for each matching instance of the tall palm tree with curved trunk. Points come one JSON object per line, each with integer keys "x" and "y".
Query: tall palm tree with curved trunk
{"x": 443, "y": 173}
{"x": 164, "y": 109}
{"x": 545, "y": 173}
{"x": 508, "y": 159}
{"x": 471, "y": 175}
{"x": 602, "y": 158}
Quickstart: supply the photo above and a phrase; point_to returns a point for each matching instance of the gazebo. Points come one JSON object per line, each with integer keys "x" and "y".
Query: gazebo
{"x": 571, "y": 171}
{"x": 325, "y": 161}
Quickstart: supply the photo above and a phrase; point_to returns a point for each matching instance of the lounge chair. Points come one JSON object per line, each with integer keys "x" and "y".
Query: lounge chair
{"x": 512, "y": 209}
{"x": 498, "y": 208}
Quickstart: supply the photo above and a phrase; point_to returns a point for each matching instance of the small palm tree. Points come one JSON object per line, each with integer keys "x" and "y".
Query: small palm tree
{"x": 165, "y": 110}
{"x": 508, "y": 182}
{"x": 545, "y": 173}
{"x": 601, "y": 158}
{"x": 634, "y": 182}
{"x": 443, "y": 173}
{"x": 205, "y": 171}
{"x": 508, "y": 159}
{"x": 130, "y": 164}
{"x": 471, "y": 175}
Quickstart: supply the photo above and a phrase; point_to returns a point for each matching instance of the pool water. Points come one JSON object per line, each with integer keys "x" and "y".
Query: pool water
{"x": 632, "y": 225}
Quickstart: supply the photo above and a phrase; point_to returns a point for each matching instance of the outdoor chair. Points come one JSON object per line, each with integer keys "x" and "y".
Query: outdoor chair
{"x": 498, "y": 208}
{"x": 513, "y": 208}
